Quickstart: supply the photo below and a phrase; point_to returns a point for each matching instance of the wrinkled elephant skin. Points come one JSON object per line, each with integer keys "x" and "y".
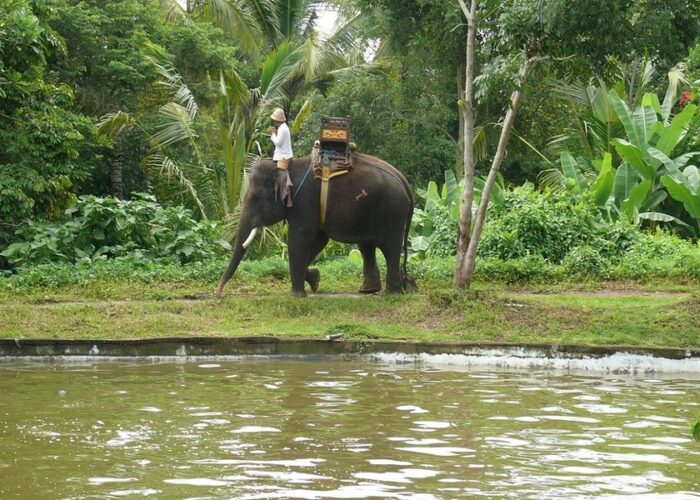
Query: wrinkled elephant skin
{"x": 370, "y": 206}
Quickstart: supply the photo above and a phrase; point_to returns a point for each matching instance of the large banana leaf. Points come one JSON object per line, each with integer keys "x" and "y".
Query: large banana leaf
{"x": 660, "y": 217}
{"x": 634, "y": 157}
{"x": 653, "y": 200}
{"x": 638, "y": 195}
{"x": 693, "y": 177}
{"x": 645, "y": 116}
{"x": 572, "y": 170}
{"x": 672, "y": 168}
{"x": 625, "y": 179}
{"x": 671, "y": 135}
{"x": 602, "y": 187}
{"x": 636, "y": 136}
{"x": 679, "y": 191}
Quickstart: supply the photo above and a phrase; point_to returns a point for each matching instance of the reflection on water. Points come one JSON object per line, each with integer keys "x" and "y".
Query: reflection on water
{"x": 283, "y": 428}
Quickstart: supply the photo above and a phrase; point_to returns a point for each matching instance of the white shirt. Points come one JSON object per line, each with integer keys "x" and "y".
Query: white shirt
{"x": 283, "y": 143}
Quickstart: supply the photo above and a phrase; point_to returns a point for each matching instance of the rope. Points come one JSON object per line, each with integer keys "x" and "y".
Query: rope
{"x": 303, "y": 180}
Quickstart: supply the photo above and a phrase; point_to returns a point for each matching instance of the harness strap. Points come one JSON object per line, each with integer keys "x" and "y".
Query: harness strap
{"x": 303, "y": 180}
{"x": 325, "y": 177}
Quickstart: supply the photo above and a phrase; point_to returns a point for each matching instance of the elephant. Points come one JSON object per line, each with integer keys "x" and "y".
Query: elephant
{"x": 371, "y": 206}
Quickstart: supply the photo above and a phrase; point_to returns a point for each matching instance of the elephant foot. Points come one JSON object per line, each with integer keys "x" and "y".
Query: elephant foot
{"x": 370, "y": 289}
{"x": 298, "y": 293}
{"x": 313, "y": 276}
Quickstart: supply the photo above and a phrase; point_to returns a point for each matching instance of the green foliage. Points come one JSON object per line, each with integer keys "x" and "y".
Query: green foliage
{"x": 434, "y": 227}
{"x": 47, "y": 148}
{"x": 586, "y": 262}
{"x": 528, "y": 269}
{"x": 549, "y": 225}
{"x": 644, "y": 159}
{"x": 101, "y": 228}
{"x": 695, "y": 429}
{"x": 660, "y": 255}
{"x": 397, "y": 114}
{"x": 684, "y": 187}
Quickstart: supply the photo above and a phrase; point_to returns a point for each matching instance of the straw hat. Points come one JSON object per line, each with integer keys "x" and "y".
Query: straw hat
{"x": 278, "y": 115}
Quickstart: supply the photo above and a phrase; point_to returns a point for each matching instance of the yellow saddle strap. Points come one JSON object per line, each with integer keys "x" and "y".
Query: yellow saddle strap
{"x": 325, "y": 177}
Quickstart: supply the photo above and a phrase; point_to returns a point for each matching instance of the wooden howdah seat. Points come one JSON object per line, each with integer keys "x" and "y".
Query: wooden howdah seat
{"x": 332, "y": 155}
{"x": 333, "y": 150}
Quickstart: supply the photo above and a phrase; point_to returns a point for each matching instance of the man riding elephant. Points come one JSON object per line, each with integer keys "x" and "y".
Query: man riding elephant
{"x": 282, "y": 139}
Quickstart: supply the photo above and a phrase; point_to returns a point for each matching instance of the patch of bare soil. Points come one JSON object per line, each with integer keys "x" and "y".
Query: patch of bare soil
{"x": 605, "y": 292}
{"x": 520, "y": 314}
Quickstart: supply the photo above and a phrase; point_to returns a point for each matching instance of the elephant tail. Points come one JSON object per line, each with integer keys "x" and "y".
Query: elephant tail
{"x": 406, "y": 281}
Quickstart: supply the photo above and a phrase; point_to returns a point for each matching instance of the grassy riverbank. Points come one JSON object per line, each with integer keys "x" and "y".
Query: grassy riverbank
{"x": 654, "y": 314}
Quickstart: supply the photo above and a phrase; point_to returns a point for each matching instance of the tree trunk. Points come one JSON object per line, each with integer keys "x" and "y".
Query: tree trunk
{"x": 459, "y": 157}
{"x": 465, "y": 267}
{"x": 468, "y": 119}
{"x": 117, "y": 177}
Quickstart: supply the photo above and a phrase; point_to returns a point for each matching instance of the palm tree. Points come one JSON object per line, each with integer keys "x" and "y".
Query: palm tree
{"x": 282, "y": 39}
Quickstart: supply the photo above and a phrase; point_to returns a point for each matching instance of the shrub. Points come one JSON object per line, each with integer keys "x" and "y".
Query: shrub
{"x": 549, "y": 225}
{"x": 100, "y": 228}
{"x": 531, "y": 268}
{"x": 660, "y": 255}
{"x": 586, "y": 262}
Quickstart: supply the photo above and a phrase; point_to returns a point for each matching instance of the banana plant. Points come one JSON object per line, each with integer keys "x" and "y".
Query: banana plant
{"x": 645, "y": 131}
{"x": 445, "y": 202}
{"x": 616, "y": 191}
{"x": 437, "y": 203}
{"x": 684, "y": 187}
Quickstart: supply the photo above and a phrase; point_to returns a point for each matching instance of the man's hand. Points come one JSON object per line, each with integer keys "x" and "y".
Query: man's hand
{"x": 271, "y": 130}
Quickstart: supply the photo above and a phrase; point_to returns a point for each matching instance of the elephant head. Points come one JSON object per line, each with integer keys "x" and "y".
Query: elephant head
{"x": 262, "y": 206}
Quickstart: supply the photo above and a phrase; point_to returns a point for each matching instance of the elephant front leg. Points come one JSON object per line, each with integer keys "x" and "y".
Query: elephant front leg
{"x": 298, "y": 261}
{"x": 371, "y": 282}
{"x": 313, "y": 275}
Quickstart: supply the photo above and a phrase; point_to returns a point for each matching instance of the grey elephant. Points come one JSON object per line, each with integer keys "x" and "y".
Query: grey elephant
{"x": 371, "y": 206}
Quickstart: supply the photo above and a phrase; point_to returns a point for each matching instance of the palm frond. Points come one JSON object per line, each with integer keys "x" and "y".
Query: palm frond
{"x": 237, "y": 19}
{"x": 171, "y": 78}
{"x": 676, "y": 76}
{"x": 164, "y": 166}
{"x": 278, "y": 68}
{"x": 174, "y": 11}
{"x": 176, "y": 126}
{"x": 114, "y": 124}
{"x": 302, "y": 115}
{"x": 265, "y": 16}
{"x": 292, "y": 16}
{"x": 553, "y": 179}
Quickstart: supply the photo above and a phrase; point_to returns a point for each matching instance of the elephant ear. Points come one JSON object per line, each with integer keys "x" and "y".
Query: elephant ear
{"x": 283, "y": 186}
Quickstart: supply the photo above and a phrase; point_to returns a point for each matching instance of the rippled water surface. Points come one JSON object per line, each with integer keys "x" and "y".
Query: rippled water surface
{"x": 271, "y": 428}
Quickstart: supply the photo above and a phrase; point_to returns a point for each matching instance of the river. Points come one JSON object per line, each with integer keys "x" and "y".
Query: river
{"x": 311, "y": 428}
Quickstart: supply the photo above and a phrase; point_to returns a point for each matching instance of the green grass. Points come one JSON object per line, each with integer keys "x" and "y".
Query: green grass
{"x": 654, "y": 314}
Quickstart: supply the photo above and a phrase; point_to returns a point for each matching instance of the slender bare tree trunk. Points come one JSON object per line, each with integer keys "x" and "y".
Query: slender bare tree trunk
{"x": 468, "y": 119}
{"x": 465, "y": 267}
{"x": 117, "y": 174}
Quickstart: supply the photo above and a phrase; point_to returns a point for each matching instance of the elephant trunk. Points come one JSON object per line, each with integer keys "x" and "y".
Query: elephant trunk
{"x": 244, "y": 238}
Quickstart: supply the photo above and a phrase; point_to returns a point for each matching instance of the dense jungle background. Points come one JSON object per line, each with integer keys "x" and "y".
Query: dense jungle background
{"x": 127, "y": 128}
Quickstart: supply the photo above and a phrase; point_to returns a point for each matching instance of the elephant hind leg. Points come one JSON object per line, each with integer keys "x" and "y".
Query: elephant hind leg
{"x": 393, "y": 269}
{"x": 372, "y": 281}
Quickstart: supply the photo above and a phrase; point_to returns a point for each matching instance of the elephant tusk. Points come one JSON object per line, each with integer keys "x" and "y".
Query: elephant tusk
{"x": 250, "y": 238}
